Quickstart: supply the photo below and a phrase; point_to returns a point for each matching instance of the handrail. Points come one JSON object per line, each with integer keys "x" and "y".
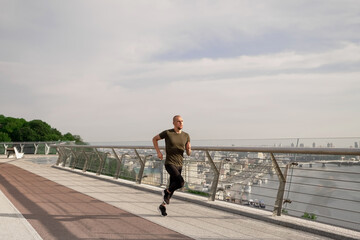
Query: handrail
{"x": 293, "y": 150}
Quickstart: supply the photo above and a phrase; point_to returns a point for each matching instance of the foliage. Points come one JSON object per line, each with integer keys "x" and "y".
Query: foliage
{"x": 310, "y": 216}
{"x": 20, "y": 130}
{"x": 4, "y": 137}
{"x": 198, "y": 193}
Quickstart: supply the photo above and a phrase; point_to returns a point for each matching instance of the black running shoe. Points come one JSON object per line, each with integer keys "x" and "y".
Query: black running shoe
{"x": 166, "y": 197}
{"x": 162, "y": 210}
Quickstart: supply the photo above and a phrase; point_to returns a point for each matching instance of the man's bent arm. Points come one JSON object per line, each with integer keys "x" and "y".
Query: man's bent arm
{"x": 156, "y": 146}
{"x": 188, "y": 148}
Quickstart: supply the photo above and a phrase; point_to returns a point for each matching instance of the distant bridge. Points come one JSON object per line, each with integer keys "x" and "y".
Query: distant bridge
{"x": 340, "y": 162}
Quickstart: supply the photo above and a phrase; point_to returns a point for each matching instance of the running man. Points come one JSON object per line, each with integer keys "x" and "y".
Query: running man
{"x": 176, "y": 142}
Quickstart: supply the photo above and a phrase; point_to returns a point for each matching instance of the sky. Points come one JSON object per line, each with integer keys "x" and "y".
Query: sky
{"x": 118, "y": 70}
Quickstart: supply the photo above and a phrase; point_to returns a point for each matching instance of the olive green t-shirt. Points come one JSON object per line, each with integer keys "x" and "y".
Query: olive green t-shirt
{"x": 175, "y": 146}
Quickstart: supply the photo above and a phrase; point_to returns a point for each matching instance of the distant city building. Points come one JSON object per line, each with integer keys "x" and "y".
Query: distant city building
{"x": 356, "y": 145}
{"x": 256, "y": 155}
{"x": 313, "y": 145}
{"x": 302, "y": 145}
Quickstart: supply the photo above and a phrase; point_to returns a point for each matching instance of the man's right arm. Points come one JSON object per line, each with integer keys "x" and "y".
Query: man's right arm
{"x": 156, "y": 146}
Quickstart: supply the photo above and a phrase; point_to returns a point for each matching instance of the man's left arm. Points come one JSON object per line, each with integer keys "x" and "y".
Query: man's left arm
{"x": 188, "y": 148}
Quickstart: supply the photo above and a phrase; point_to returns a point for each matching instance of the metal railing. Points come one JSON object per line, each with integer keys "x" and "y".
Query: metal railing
{"x": 31, "y": 147}
{"x": 319, "y": 184}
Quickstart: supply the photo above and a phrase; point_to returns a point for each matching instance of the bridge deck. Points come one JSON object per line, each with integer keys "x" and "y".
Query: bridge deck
{"x": 40, "y": 201}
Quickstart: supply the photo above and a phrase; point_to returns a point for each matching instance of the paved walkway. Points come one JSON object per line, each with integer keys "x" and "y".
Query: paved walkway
{"x": 45, "y": 202}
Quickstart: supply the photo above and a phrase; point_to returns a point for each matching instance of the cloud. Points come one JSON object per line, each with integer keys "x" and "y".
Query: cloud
{"x": 119, "y": 70}
{"x": 156, "y": 73}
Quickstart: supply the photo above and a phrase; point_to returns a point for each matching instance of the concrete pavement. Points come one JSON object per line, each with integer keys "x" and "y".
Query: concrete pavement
{"x": 189, "y": 216}
{"x": 13, "y": 225}
{"x": 58, "y": 212}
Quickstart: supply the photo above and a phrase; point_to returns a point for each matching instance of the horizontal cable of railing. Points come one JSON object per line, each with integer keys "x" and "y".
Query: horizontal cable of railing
{"x": 335, "y": 208}
{"x": 330, "y": 187}
{"x": 337, "y": 180}
{"x": 328, "y": 171}
{"x": 317, "y": 195}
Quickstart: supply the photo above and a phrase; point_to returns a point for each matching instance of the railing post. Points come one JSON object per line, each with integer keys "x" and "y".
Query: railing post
{"x": 141, "y": 171}
{"x": 63, "y": 156}
{"x": 36, "y": 148}
{"x": 22, "y": 147}
{"x": 5, "y": 147}
{"x": 86, "y": 161}
{"x": 66, "y": 156}
{"x": 281, "y": 190}
{"x": 47, "y": 149}
{"x": 59, "y": 150}
{"x": 101, "y": 162}
{"x": 75, "y": 159}
{"x": 117, "y": 173}
{"x": 216, "y": 178}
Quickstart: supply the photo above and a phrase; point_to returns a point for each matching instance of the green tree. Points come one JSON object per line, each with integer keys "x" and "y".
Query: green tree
{"x": 25, "y": 134}
{"x": 4, "y": 137}
{"x": 19, "y": 130}
{"x": 41, "y": 128}
{"x": 2, "y": 120}
{"x": 11, "y": 124}
{"x": 69, "y": 137}
{"x": 78, "y": 139}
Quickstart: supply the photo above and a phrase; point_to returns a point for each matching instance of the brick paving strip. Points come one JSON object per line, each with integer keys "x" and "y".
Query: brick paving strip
{"x": 58, "y": 212}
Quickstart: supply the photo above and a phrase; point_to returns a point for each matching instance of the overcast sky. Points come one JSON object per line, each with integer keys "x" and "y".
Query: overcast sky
{"x": 114, "y": 70}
